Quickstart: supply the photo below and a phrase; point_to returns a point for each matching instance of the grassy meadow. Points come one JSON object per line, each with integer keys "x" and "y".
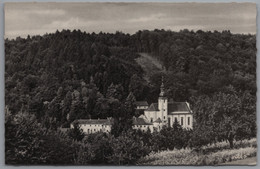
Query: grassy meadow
{"x": 213, "y": 154}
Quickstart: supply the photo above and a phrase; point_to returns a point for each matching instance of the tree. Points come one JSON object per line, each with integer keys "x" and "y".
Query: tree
{"x": 76, "y": 133}
{"x": 130, "y": 104}
{"x": 126, "y": 150}
{"x": 29, "y": 143}
{"x": 224, "y": 114}
{"x": 136, "y": 86}
{"x": 115, "y": 91}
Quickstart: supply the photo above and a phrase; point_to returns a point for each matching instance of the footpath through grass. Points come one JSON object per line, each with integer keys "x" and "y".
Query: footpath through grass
{"x": 208, "y": 155}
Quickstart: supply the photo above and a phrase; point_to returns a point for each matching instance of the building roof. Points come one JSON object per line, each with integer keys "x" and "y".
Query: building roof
{"x": 153, "y": 107}
{"x": 178, "y": 107}
{"x": 140, "y": 121}
{"x": 141, "y": 103}
{"x": 158, "y": 120}
{"x": 172, "y": 107}
{"x": 94, "y": 121}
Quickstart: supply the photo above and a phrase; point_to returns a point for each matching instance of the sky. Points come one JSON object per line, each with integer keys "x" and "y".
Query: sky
{"x": 22, "y": 19}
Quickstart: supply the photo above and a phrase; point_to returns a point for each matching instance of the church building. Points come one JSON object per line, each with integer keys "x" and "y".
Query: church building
{"x": 165, "y": 113}
{"x": 157, "y": 115}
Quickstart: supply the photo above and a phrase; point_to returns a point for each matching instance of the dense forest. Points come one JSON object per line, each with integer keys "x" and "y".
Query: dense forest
{"x": 53, "y": 79}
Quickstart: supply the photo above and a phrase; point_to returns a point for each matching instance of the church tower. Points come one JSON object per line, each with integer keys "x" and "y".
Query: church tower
{"x": 163, "y": 104}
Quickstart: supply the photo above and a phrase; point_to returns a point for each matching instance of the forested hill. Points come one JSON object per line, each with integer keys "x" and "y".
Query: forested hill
{"x": 72, "y": 74}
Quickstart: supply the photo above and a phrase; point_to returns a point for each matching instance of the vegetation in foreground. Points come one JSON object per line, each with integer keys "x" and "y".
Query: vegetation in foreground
{"x": 209, "y": 155}
{"x": 29, "y": 142}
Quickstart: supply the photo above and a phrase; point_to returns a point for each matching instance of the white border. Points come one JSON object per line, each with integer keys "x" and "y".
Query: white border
{"x": 2, "y": 70}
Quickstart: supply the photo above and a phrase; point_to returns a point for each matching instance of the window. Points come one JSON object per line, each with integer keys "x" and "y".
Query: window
{"x": 175, "y": 120}
{"x": 94, "y": 129}
{"x": 163, "y": 117}
{"x": 188, "y": 120}
{"x": 151, "y": 120}
{"x": 90, "y": 125}
{"x": 181, "y": 120}
{"x": 88, "y": 130}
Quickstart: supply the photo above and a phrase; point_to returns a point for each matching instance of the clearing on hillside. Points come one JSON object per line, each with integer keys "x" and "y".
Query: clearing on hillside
{"x": 149, "y": 64}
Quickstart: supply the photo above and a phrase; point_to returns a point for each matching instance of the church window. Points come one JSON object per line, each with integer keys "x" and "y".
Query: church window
{"x": 188, "y": 120}
{"x": 181, "y": 120}
{"x": 175, "y": 120}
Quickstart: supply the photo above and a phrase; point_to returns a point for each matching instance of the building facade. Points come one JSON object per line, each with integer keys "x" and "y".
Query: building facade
{"x": 90, "y": 126}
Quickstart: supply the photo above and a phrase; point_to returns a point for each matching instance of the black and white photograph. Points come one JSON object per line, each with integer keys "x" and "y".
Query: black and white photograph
{"x": 130, "y": 83}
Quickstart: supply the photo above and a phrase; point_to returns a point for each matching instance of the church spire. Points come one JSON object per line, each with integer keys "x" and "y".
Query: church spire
{"x": 162, "y": 93}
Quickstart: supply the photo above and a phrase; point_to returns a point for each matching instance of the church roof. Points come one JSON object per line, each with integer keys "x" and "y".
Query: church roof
{"x": 177, "y": 107}
{"x": 158, "y": 120}
{"x": 140, "y": 121}
{"x": 172, "y": 107}
{"x": 141, "y": 103}
{"x": 153, "y": 107}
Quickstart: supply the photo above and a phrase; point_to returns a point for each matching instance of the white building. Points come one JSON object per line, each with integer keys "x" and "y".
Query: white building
{"x": 94, "y": 125}
{"x": 141, "y": 105}
{"x": 142, "y": 124}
